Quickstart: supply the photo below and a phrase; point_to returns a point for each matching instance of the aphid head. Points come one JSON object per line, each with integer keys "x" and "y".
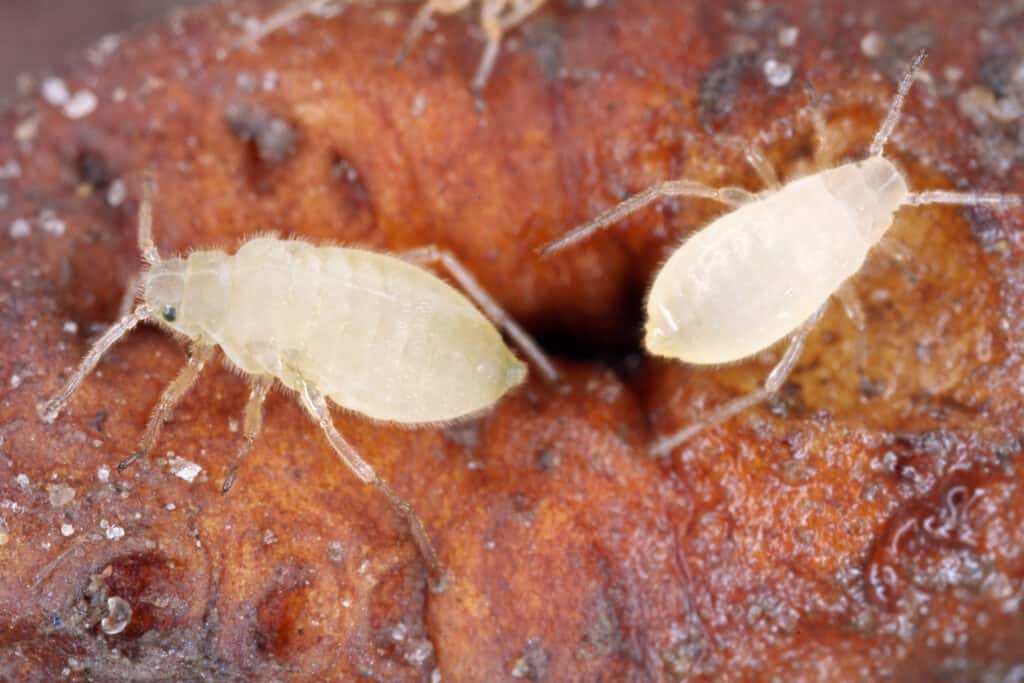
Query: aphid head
{"x": 872, "y": 189}
{"x": 164, "y": 289}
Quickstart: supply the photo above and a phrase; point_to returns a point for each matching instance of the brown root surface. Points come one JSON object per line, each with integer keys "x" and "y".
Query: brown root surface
{"x": 841, "y": 532}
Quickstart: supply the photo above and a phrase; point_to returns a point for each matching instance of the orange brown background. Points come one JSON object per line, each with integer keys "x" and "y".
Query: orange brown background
{"x": 845, "y": 531}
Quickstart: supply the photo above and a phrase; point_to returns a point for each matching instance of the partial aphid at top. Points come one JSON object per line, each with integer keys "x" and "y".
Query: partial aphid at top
{"x": 374, "y": 333}
{"x": 496, "y": 18}
{"x": 258, "y": 29}
{"x": 768, "y": 269}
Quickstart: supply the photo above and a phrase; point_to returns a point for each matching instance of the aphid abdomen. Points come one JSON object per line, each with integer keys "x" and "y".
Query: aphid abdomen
{"x": 754, "y": 275}
{"x": 416, "y": 350}
{"x": 376, "y": 334}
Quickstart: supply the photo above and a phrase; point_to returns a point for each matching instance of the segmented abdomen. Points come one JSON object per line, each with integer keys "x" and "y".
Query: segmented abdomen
{"x": 374, "y": 333}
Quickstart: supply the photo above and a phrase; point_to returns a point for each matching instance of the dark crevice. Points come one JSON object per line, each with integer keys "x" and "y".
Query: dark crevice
{"x": 270, "y": 141}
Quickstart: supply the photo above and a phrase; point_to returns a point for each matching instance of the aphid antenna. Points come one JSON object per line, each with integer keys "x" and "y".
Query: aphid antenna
{"x": 147, "y": 246}
{"x": 483, "y": 71}
{"x": 893, "y": 117}
{"x": 731, "y": 196}
{"x": 963, "y": 198}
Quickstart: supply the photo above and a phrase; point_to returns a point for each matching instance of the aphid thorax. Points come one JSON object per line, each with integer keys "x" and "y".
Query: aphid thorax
{"x": 872, "y": 189}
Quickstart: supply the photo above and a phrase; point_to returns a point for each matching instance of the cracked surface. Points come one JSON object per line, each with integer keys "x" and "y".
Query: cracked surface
{"x": 838, "y": 533}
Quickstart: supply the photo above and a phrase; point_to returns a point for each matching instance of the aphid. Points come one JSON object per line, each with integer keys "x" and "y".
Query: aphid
{"x": 374, "y": 333}
{"x": 496, "y": 17}
{"x": 769, "y": 268}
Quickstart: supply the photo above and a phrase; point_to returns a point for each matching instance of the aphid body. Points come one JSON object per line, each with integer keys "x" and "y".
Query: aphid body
{"x": 700, "y": 311}
{"x": 767, "y": 269}
{"x": 372, "y": 332}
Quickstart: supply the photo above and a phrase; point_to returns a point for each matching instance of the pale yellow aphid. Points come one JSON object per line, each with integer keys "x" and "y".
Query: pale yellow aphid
{"x": 371, "y": 332}
{"x": 769, "y": 268}
{"x": 496, "y": 17}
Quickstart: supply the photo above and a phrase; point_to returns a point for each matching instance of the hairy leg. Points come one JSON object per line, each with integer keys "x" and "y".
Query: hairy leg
{"x": 493, "y": 29}
{"x": 764, "y": 169}
{"x": 731, "y": 196}
{"x": 825, "y": 153}
{"x": 172, "y": 395}
{"x": 850, "y": 300}
{"x": 497, "y": 19}
{"x": 422, "y": 20}
{"x": 316, "y": 406}
{"x": 776, "y": 378}
{"x": 287, "y": 15}
{"x": 253, "y": 424}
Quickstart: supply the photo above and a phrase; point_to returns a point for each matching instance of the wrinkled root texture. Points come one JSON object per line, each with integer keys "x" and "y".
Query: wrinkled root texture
{"x": 847, "y": 530}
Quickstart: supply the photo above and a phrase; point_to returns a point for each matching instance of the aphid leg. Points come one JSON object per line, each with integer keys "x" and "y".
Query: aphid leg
{"x": 495, "y": 26}
{"x": 49, "y": 410}
{"x": 490, "y": 307}
{"x": 731, "y": 196}
{"x": 172, "y": 395}
{"x": 850, "y": 300}
{"x": 776, "y": 378}
{"x": 824, "y": 151}
{"x": 253, "y": 423}
{"x": 289, "y": 14}
{"x": 493, "y": 30}
{"x": 315, "y": 404}
{"x": 764, "y": 169}
{"x": 146, "y": 245}
{"x": 885, "y": 130}
{"x": 996, "y": 201}
{"x": 415, "y": 31}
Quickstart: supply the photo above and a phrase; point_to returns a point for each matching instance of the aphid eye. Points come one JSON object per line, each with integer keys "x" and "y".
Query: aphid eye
{"x": 170, "y": 314}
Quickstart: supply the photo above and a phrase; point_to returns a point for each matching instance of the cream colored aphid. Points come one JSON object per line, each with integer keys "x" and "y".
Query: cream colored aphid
{"x": 496, "y": 17}
{"x": 373, "y": 333}
{"x": 769, "y": 268}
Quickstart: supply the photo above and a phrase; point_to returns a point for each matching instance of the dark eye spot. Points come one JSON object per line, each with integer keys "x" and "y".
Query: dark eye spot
{"x": 170, "y": 314}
